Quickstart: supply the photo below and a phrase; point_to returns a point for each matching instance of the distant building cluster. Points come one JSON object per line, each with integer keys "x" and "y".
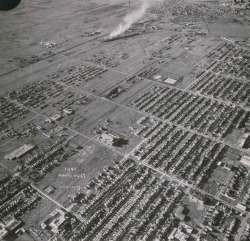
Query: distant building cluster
{"x": 17, "y": 198}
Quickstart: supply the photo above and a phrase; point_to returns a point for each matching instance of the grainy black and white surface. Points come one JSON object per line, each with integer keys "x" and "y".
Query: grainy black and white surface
{"x": 125, "y": 120}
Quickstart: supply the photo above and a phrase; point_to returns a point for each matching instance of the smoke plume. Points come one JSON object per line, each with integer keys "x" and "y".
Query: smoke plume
{"x": 131, "y": 18}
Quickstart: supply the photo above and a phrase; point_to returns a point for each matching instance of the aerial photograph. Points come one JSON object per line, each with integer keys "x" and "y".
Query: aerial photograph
{"x": 124, "y": 120}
